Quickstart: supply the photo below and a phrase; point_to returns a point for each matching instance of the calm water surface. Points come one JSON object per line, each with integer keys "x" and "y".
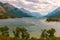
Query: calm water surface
{"x": 33, "y": 25}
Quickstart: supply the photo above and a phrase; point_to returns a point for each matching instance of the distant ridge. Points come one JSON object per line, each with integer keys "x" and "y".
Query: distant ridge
{"x": 33, "y": 14}
{"x": 54, "y": 14}
{"x": 9, "y": 10}
{"x": 12, "y": 11}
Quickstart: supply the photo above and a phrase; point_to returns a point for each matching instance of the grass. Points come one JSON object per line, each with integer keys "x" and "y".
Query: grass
{"x": 15, "y": 38}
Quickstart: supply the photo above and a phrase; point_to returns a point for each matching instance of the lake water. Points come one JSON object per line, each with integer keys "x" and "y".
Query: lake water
{"x": 33, "y": 25}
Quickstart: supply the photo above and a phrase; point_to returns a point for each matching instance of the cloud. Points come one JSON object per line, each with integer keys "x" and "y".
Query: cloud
{"x": 38, "y": 1}
{"x": 55, "y": 2}
{"x": 35, "y": 1}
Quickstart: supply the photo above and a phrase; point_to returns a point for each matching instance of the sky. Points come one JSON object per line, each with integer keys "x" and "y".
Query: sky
{"x": 41, "y": 6}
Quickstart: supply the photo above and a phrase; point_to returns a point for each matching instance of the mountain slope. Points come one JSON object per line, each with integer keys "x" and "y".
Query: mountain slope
{"x": 24, "y": 10}
{"x": 2, "y": 10}
{"x": 1, "y": 3}
{"x": 34, "y": 14}
{"x": 3, "y": 13}
{"x": 10, "y": 10}
{"x": 14, "y": 11}
{"x": 54, "y": 14}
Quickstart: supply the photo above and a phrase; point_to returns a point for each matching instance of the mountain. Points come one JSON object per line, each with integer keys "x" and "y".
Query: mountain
{"x": 3, "y": 13}
{"x": 14, "y": 11}
{"x": 34, "y": 14}
{"x": 10, "y": 10}
{"x": 24, "y": 10}
{"x": 1, "y": 3}
{"x": 54, "y": 14}
{"x": 2, "y": 10}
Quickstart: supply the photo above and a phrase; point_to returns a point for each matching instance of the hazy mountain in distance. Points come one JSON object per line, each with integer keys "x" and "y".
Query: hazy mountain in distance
{"x": 24, "y": 10}
{"x": 54, "y": 14}
{"x": 34, "y": 14}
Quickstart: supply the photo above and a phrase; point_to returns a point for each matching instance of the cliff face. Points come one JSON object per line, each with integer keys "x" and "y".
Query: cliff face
{"x": 2, "y": 10}
{"x": 3, "y": 13}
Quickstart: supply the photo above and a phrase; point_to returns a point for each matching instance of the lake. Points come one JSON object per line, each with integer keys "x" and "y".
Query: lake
{"x": 33, "y": 25}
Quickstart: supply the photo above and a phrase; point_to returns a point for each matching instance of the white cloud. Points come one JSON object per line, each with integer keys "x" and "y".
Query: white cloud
{"x": 55, "y": 2}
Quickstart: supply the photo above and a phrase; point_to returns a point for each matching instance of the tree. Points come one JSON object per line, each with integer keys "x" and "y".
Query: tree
{"x": 1, "y": 16}
{"x": 44, "y": 33}
{"x": 4, "y": 30}
{"x": 51, "y": 32}
{"x": 1, "y": 30}
{"x": 16, "y": 32}
{"x": 21, "y": 32}
{"x": 27, "y": 36}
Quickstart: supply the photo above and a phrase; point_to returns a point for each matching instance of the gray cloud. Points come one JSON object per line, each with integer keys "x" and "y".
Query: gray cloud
{"x": 23, "y": 5}
{"x": 35, "y": 1}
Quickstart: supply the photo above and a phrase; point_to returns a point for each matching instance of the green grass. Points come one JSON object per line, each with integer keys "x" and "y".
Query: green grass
{"x": 15, "y": 38}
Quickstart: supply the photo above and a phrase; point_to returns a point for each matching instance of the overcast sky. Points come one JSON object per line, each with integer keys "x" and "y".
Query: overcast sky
{"x": 41, "y": 6}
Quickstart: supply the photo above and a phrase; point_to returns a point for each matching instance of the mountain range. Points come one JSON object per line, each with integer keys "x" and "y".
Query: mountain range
{"x": 9, "y": 10}
{"x": 14, "y": 11}
{"x": 34, "y": 14}
{"x": 54, "y": 14}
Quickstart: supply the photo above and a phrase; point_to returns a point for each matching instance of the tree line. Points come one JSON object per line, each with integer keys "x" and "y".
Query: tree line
{"x": 23, "y": 34}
